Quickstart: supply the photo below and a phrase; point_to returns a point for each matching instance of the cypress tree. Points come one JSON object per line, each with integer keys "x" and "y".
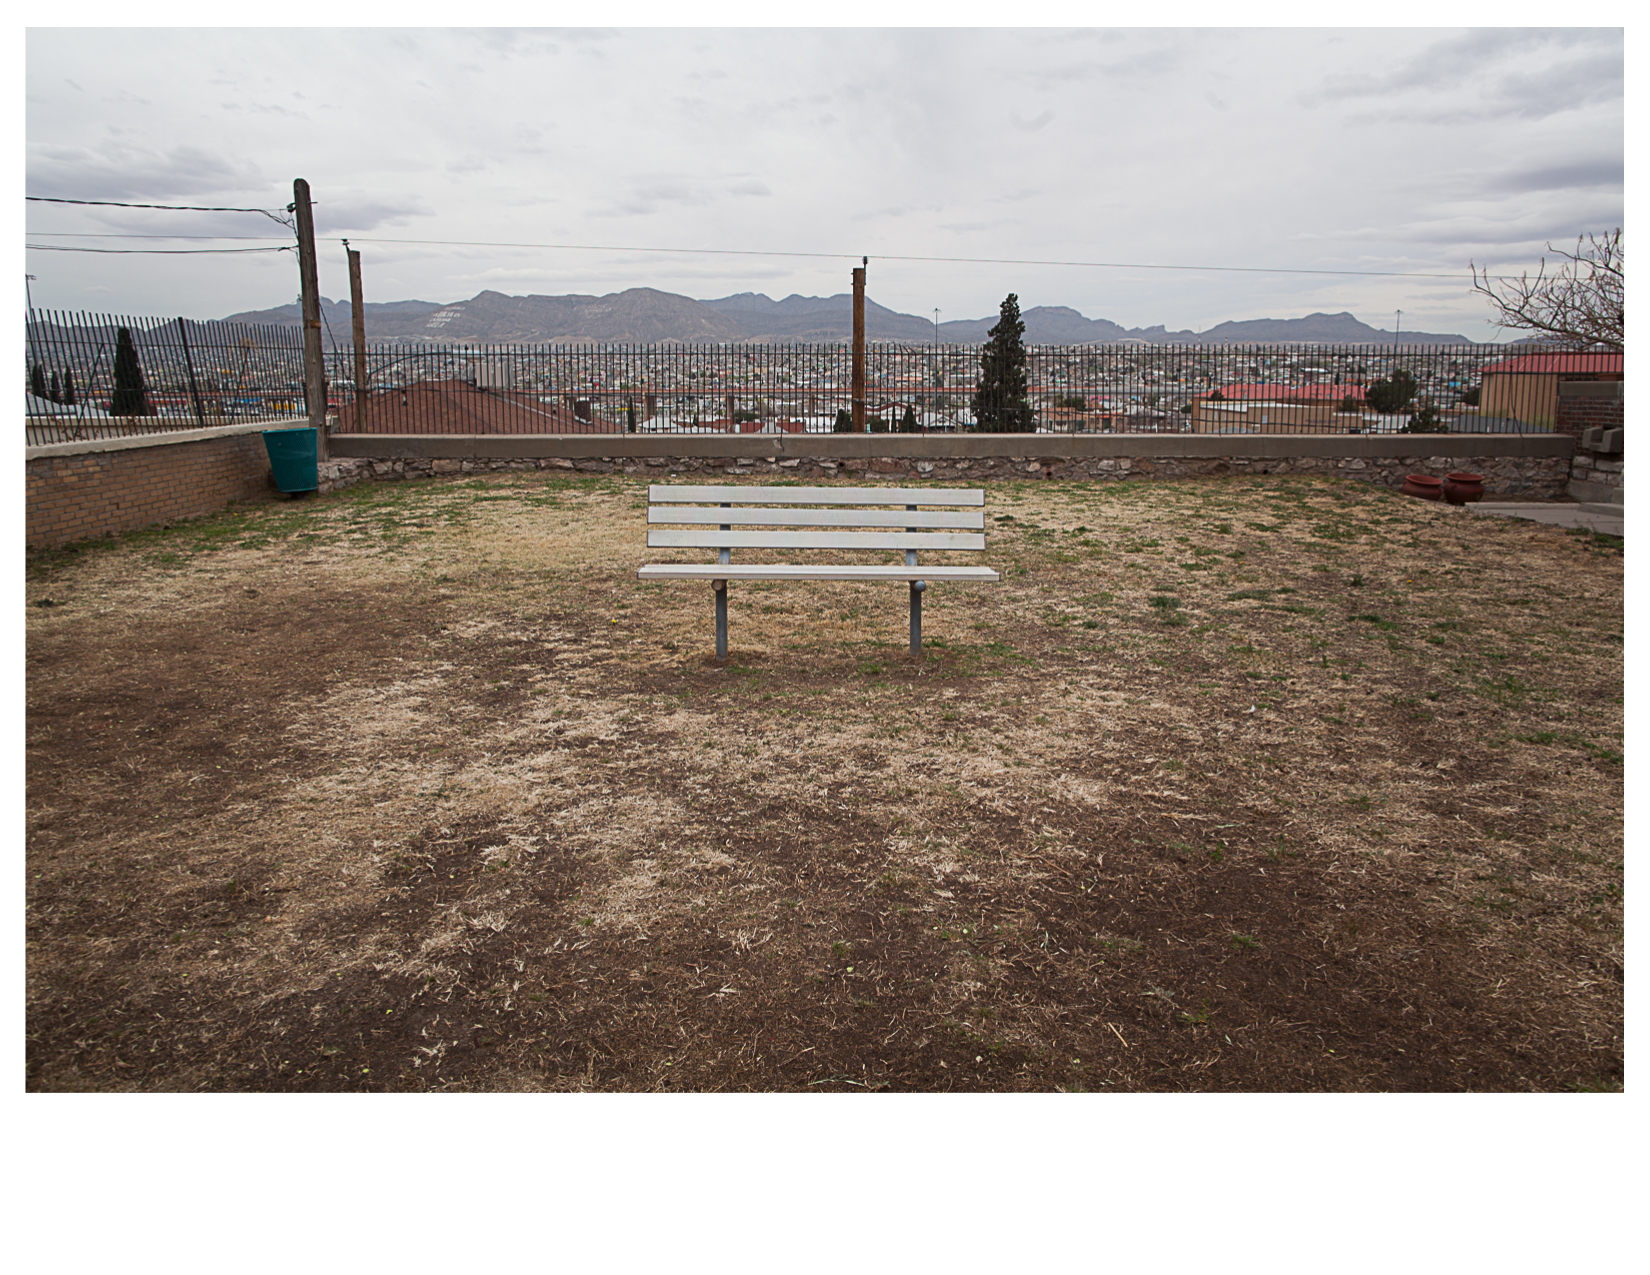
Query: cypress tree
{"x": 908, "y": 422}
{"x": 68, "y": 386}
{"x": 57, "y": 389}
{"x": 37, "y": 382}
{"x": 844, "y": 422}
{"x": 1000, "y": 402}
{"x": 128, "y": 397}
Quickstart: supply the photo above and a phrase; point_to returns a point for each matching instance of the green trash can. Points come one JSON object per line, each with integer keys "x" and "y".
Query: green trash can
{"x": 292, "y": 459}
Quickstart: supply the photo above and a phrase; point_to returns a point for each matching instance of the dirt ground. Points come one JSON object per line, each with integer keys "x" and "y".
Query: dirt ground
{"x": 1237, "y": 784}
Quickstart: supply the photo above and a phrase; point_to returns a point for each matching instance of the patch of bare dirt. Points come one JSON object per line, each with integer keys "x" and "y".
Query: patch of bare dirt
{"x": 1237, "y": 784}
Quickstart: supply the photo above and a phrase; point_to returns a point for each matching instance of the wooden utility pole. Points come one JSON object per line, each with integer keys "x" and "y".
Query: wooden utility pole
{"x": 315, "y": 379}
{"x": 358, "y": 321}
{"x": 859, "y": 346}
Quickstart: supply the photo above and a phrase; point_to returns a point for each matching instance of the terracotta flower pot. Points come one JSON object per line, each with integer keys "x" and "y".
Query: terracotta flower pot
{"x": 1461, "y": 487}
{"x": 1424, "y": 486}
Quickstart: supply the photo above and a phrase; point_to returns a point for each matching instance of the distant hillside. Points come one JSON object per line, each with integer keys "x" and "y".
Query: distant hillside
{"x": 646, "y": 316}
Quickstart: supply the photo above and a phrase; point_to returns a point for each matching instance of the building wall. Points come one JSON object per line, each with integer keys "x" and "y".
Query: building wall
{"x": 1584, "y": 405}
{"x": 1270, "y": 418}
{"x": 78, "y": 491}
{"x": 1531, "y": 396}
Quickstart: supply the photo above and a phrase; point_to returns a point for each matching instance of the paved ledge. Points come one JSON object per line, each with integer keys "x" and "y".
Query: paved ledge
{"x": 169, "y": 438}
{"x": 1607, "y": 520}
{"x": 941, "y": 447}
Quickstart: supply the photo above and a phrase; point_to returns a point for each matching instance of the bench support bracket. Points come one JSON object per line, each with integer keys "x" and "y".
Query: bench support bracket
{"x": 721, "y": 589}
{"x": 917, "y": 586}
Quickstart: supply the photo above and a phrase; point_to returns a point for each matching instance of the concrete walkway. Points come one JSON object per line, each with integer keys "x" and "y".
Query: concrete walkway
{"x": 1604, "y": 519}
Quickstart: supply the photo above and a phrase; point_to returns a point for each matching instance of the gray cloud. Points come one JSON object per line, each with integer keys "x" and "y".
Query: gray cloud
{"x": 114, "y": 170}
{"x": 1418, "y": 151}
{"x": 1033, "y": 125}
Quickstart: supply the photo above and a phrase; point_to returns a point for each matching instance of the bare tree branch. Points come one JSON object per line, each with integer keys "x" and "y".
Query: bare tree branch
{"x": 1580, "y": 303}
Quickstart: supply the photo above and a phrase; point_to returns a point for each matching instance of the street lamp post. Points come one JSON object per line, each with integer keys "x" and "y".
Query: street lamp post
{"x": 936, "y": 325}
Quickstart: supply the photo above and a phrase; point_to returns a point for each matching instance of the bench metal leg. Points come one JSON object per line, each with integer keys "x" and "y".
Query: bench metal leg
{"x": 917, "y": 586}
{"x": 721, "y": 589}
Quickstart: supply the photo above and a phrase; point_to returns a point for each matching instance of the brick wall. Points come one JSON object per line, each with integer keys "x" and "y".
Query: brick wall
{"x": 86, "y": 492}
{"x": 1584, "y": 405}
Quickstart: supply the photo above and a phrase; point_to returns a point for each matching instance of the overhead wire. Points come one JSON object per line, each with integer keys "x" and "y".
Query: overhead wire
{"x": 1004, "y": 261}
{"x": 731, "y": 252}
{"x": 164, "y": 252}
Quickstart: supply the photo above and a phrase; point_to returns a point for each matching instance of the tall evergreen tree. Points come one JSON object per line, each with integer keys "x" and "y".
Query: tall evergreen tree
{"x": 1000, "y": 402}
{"x": 68, "y": 386}
{"x": 37, "y": 381}
{"x": 128, "y": 399}
{"x": 57, "y": 389}
{"x": 908, "y": 422}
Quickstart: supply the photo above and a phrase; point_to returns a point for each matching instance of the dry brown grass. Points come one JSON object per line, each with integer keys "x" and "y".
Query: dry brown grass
{"x": 419, "y": 787}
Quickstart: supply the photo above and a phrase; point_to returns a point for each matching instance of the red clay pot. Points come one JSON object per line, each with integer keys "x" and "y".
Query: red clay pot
{"x": 1461, "y": 487}
{"x": 1423, "y": 485}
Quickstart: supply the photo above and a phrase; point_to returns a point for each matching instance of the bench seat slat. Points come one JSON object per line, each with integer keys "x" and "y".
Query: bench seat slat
{"x": 795, "y": 571}
{"x": 703, "y": 515}
{"x": 821, "y": 495}
{"x": 715, "y": 538}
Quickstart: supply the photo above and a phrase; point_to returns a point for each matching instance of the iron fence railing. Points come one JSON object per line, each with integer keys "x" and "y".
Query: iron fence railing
{"x": 178, "y": 374}
{"x": 1125, "y": 388}
{"x": 214, "y": 372}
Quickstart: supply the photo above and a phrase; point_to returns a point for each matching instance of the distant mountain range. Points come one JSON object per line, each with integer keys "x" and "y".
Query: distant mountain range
{"x": 646, "y": 316}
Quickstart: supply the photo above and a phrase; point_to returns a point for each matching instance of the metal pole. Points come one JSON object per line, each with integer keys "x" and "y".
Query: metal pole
{"x": 917, "y": 586}
{"x": 315, "y": 378}
{"x": 724, "y": 555}
{"x": 859, "y": 347}
{"x": 358, "y": 323}
{"x": 194, "y": 390}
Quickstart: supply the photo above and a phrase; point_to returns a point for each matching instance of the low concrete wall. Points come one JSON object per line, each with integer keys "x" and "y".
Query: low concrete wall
{"x": 101, "y": 487}
{"x": 79, "y": 490}
{"x": 1523, "y": 466}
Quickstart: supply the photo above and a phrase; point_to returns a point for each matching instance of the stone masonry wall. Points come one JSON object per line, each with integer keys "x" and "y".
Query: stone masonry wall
{"x": 102, "y": 493}
{"x": 1596, "y": 470}
{"x": 1509, "y": 477}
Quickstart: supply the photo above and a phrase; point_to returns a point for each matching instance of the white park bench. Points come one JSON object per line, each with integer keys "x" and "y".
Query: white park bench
{"x": 908, "y": 520}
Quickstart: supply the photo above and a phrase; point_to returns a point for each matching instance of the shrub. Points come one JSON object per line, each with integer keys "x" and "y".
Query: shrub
{"x": 844, "y": 422}
{"x": 1425, "y": 421}
{"x": 1391, "y": 394}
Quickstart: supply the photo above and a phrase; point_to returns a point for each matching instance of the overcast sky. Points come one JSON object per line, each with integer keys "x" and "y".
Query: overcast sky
{"x": 1377, "y": 150}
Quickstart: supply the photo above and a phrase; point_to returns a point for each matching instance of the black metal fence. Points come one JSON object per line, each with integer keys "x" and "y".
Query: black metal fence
{"x": 931, "y": 389}
{"x": 178, "y": 374}
{"x": 195, "y": 373}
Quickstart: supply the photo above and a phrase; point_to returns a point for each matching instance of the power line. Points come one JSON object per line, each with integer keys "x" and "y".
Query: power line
{"x": 162, "y": 252}
{"x": 66, "y": 234}
{"x": 114, "y": 203}
{"x": 1000, "y": 261}
{"x": 278, "y": 217}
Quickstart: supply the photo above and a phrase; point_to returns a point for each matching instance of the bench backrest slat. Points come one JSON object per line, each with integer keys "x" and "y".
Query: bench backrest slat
{"x": 713, "y": 515}
{"x": 820, "y": 495}
{"x": 716, "y": 538}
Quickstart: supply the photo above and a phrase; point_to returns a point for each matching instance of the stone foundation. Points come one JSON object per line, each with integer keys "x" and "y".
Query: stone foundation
{"x": 1507, "y": 477}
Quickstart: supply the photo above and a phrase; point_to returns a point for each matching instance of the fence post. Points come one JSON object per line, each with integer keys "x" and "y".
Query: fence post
{"x": 859, "y": 346}
{"x": 315, "y": 379}
{"x": 358, "y": 324}
{"x": 189, "y": 363}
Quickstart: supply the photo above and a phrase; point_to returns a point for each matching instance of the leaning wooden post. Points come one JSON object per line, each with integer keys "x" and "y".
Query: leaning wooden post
{"x": 358, "y": 322}
{"x": 315, "y": 379}
{"x": 859, "y": 347}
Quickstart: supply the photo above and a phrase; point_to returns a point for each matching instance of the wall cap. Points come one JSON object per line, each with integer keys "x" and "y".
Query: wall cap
{"x": 80, "y": 447}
